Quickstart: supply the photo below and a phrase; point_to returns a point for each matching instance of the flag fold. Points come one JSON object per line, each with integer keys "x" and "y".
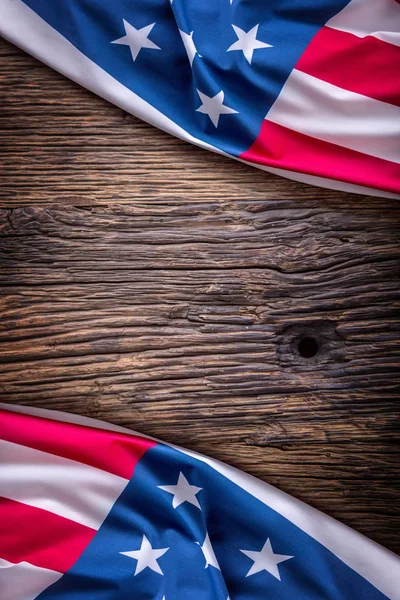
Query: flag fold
{"x": 90, "y": 510}
{"x": 308, "y": 89}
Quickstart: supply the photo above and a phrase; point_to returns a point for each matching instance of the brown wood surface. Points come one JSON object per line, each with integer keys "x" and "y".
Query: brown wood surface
{"x": 152, "y": 284}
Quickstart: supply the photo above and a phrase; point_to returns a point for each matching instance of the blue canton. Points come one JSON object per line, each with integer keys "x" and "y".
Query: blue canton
{"x": 182, "y": 531}
{"x": 214, "y": 67}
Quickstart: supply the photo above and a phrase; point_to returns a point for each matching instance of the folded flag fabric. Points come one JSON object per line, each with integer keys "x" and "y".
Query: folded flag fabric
{"x": 308, "y": 89}
{"x": 90, "y": 511}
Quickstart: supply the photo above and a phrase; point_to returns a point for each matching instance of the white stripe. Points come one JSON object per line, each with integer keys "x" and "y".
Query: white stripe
{"x": 376, "y": 564}
{"x": 24, "y": 581}
{"x": 379, "y": 18}
{"x": 64, "y": 417}
{"x": 326, "y": 112}
{"x": 330, "y": 184}
{"x": 67, "y": 488}
{"x": 23, "y": 27}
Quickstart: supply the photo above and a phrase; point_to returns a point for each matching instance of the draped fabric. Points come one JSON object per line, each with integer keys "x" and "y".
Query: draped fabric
{"x": 309, "y": 89}
{"x": 93, "y": 511}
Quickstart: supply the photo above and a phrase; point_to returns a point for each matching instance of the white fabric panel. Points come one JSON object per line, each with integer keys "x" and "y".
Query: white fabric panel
{"x": 324, "y": 111}
{"x": 24, "y": 581}
{"x": 376, "y": 564}
{"x": 67, "y": 488}
{"x": 330, "y": 184}
{"x": 379, "y": 18}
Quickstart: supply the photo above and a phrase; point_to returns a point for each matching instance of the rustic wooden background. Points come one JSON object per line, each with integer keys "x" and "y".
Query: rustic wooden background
{"x": 155, "y": 285}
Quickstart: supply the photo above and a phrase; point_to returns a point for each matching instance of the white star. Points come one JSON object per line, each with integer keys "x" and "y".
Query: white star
{"x": 214, "y": 107}
{"x": 265, "y": 560}
{"x": 136, "y": 39}
{"x": 182, "y": 492}
{"x": 146, "y": 556}
{"x": 247, "y": 42}
{"x": 191, "y": 50}
{"x": 209, "y": 555}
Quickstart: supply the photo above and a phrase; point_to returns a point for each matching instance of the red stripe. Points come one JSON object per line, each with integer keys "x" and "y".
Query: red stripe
{"x": 367, "y": 65}
{"x": 278, "y": 146}
{"x": 40, "y": 537}
{"x": 110, "y": 451}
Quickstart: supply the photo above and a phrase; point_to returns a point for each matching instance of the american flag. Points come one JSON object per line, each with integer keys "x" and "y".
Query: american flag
{"x": 308, "y": 89}
{"x": 92, "y": 511}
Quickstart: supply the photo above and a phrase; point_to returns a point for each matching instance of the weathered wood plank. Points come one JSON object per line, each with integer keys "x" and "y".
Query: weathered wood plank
{"x": 149, "y": 283}
{"x": 181, "y": 321}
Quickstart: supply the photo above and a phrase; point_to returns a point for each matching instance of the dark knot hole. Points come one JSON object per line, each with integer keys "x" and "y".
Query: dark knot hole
{"x": 308, "y": 347}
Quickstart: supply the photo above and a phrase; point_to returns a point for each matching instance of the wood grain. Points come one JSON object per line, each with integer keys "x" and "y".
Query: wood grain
{"x": 149, "y": 283}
